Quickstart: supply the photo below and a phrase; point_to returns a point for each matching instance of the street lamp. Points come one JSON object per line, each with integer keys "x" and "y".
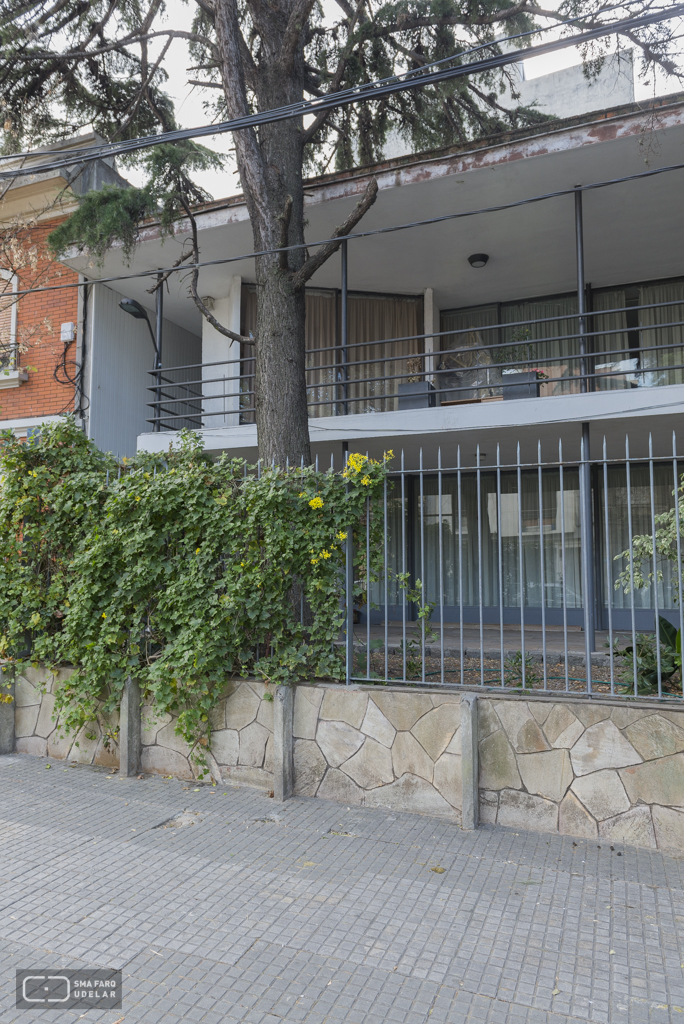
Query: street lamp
{"x": 135, "y": 309}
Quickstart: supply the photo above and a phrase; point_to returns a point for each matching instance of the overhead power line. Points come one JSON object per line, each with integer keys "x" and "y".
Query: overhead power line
{"x": 366, "y": 92}
{"x": 103, "y": 147}
{"x": 370, "y": 232}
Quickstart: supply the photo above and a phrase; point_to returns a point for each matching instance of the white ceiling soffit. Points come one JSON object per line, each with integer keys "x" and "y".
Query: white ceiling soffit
{"x": 632, "y": 230}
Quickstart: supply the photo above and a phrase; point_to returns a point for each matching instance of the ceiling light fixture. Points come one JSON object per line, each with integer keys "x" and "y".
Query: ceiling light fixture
{"x": 478, "y": 259}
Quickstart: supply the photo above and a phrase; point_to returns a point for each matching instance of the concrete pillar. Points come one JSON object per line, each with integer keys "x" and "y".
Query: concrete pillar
{"x": 7, "y": 711}
{"x": 470, "y": 806}
{"x": 283, "y": 743}
{"x": 431, "y": 323}
{"x": 129, "y": 729}
{"x": 216, "y": 348}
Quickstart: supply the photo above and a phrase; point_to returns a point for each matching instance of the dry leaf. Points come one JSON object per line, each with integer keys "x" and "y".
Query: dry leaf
{"x": 438, "y": 871}
{"x": 556, "y": 992}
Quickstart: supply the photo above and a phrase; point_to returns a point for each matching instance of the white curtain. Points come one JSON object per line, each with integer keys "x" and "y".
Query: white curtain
{"x": 663, "y": 367}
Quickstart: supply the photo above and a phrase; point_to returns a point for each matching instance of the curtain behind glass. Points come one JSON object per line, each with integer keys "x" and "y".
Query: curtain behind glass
{"x": 321, "y": 352}
{"x": 372, "y": 318}
{"x": 657, "y": 363}
{"x": 663, "y": 486}
{"x": 543, "y": 346}
{"x": 467, "y": 357}
{"x": 612, "y": 349}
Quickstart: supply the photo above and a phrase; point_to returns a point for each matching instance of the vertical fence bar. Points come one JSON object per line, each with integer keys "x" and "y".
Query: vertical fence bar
{"x": 349, "y": 592}
{"x": 631, "y": 561}
{"x": 460, "y": 563}
{"x": 441, "y": 566}
{"x": 422, "y": 568}
{"x": 500, "y": 560}
{"x": 587, "y": 537}
{"x": 654, "y": 556}
{"x": 368, "y": 594}
{"x": 675, "y": 474}
{"x": 542, "y": 561}
{"x": 564, "y": 596}
{"x": 520, "y": 572}
{"x": 386, "y": 574}
{"x": 403, "y": 567}
{"x": 479, "y": 561}
{"x": 581, "y": 290}
{"x": 609, "y": 581}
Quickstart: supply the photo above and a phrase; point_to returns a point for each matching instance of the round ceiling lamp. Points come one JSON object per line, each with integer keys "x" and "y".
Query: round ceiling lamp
{"x": 478, "y": 259}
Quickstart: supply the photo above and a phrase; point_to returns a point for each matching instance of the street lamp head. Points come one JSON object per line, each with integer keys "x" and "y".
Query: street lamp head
{"x": 134, "y": 308}
{"x": 478, "y": 259}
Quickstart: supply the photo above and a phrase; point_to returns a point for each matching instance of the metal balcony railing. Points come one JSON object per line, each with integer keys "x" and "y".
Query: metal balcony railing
{"x": 475, "y": 364}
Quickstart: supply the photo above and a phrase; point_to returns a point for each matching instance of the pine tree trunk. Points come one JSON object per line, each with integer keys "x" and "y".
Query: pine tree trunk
{"x": 270, "y": 165}
{"x": 280, "y": 390}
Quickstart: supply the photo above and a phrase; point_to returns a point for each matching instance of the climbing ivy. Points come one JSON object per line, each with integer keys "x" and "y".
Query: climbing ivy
{"x": 178, "y": 570}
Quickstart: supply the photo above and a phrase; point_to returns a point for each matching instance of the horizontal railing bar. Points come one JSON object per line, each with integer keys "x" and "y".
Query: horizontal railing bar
{"x": 468, "y": 330}
{"x": 520, "y": 362}
{"x": 444, "y": 352}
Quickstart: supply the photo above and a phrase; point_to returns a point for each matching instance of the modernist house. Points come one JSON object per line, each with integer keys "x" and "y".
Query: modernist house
{"x": 459, "y": 325}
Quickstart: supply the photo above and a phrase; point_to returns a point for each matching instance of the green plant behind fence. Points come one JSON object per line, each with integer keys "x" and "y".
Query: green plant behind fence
{"x": 181, "y": 572}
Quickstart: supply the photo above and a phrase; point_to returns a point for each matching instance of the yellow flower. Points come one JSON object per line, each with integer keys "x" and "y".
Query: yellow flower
{"x": 302, "y": 494}
{"x": 103, "y": 615}
{"x": 366, "y": 480}
{"x": 325, "y": 554}
{"x": 316, "y": 502}
{"x": 314, "y": 561}
{"x": 342, "y": 535}
{"x": 137, "y": 499}
{"x": 198, "y": 551}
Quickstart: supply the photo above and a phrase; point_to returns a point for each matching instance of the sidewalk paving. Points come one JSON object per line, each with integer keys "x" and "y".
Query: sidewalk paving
{"x": 315, "y": 913}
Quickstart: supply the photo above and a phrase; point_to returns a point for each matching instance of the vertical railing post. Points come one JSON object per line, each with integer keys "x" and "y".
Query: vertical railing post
{"x": 344, "y": 328}
{"x": 587, "y": 542}
{"x": 158, "y": 346}
{"x": 581, "y": 290}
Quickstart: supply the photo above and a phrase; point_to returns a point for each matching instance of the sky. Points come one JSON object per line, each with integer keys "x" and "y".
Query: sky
{"x": 188, "y": 99}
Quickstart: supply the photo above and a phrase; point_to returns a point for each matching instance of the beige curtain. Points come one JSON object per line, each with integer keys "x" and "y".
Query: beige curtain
{"x": 374, "y": 318}
{"x": 370, "y": 318}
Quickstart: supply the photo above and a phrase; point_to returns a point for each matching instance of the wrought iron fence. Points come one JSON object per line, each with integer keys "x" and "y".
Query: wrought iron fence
{"x": 523, "y": 576}
{"x": 573, "y": 353}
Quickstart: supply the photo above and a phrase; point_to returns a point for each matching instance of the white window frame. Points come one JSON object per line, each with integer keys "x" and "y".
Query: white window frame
{"x": 10, "y": 375}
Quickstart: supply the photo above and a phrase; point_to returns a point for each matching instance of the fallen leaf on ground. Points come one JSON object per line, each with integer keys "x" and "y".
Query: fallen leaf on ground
{"x": 438, "y": 871}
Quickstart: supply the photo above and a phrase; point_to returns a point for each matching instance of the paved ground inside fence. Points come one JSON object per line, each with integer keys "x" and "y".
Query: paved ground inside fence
{"x": 315, "y": 913}
{"x": 491, "y": 638}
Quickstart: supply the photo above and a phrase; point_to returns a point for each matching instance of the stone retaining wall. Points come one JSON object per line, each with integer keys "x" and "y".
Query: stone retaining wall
{"x": 594, "y": 768}
{"x": 379, "y": 747}
{"x": 241, "y": 738}
{"x": 36, "y": 732}
{"x": 583, "y": 768}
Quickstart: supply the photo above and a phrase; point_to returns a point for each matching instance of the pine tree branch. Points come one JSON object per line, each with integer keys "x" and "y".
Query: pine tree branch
{"x": 336, "y": 82}
{"x": 194, "y": 278}
{"x": 293, "y": 33}
{"x": 314, "y": 263}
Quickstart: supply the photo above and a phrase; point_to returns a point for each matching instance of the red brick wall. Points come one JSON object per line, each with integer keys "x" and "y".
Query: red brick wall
{"x": 39, "y": 317}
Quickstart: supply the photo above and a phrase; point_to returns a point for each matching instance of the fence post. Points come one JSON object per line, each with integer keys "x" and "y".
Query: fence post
{"x": 283, "y": 743}
{"x": 470, "y": 799}
{"x": 129, "y": 729}
{"x": 7, "y": 689}
{"x": 588, "y": 562}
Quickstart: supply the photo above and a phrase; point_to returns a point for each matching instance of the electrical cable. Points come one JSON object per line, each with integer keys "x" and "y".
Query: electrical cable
{"x": 102, "y": 149}
{"x": 363, "y": 93}
{"x": 370, "y": 232}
